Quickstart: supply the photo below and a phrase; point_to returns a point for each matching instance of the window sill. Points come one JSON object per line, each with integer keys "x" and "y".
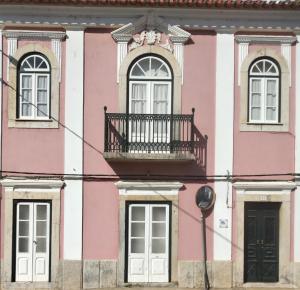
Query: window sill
{"x": 33, "y": 123}
{"x": 264, "y": 127}
{"x": 29, "y": 285}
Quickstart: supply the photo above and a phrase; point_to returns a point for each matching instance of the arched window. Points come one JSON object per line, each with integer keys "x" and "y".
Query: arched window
{"x": 150, "y": 80}
{"x": 34, "y": 87}
{"x": 264, "y": 91}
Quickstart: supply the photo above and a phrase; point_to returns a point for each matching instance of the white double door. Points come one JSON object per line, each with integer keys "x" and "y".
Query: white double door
{"x": 148, "y": 243}
{"x": 150, "y": 97}
{"x": 32, "y": 241}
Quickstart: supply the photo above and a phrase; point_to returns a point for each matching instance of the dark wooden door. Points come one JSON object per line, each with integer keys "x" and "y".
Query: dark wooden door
{"x": 261, "y": 242}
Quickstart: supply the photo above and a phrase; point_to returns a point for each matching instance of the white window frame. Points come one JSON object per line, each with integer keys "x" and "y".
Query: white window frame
{"x": 263, "y": 77}
{"x": 35, "y": 73}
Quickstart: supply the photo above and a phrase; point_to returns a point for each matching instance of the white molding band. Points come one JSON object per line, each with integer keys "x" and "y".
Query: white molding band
{"x": 224, "y": 143}
{"x": 148, "y": 187}
{"x": 23, "y": 185}
{"x": 73, "y": 144}
{"x": 286, "y": 51}
{"x": 297, "y": 156}
{"x": 268, "y": 186}
{"x": 243, "y": 52}
{"x": 265, "y": 39}
{"x": 178, "y": 53}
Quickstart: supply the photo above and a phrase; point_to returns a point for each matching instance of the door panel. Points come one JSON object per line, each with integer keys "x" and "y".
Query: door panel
{"x": 261, "y": 242}
{"x": 32, "y": 241}
{"x": 148, "y": 240}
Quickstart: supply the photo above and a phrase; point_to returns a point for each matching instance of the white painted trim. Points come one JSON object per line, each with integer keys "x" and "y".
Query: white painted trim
{"x": 73, "y": 151}
{"x": 265, "y": 185}
{"x": 224, "y": 143}
{"x": 286, "y": 51}
{"x": 297, "y": 156}
{"x": 36, "y": 35}
{"x": 1, "y": 85}
{"x": 22, "y": 185}
{"x": 122, "y": 49}
{"x": 12, "y": 46}
{"x": 243, "y": 52}
{"x": 148, "y": 187}
{"x": 271, "y": 39}
{"x": 178, "y": 53}
{"x": 56, "y": 48}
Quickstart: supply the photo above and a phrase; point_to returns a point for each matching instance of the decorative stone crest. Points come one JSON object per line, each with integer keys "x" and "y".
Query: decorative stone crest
{"x": 151, "y": 38}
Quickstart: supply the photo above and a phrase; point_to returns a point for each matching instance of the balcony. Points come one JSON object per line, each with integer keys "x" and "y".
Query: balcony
{"x": 153, "y": 137}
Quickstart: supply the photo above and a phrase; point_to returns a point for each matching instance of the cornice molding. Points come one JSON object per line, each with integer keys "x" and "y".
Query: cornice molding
{"x": 25, "y": 184}
{"x": 148, "y": 187}
{"x": 265, "y": 185}
{"x": 265, "y": 39}
{"x": 24, "y": 34}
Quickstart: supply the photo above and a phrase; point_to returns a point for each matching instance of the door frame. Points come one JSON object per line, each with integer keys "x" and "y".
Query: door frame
{"x": 14, "y": 240}
{"x": 261, "y": 206}
{"x": 257, "y": 191}
{"x": 127, "y": 204}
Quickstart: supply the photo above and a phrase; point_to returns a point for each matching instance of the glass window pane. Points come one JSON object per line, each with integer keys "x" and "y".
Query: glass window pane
{"x": 30, "y": 60}
{"x": 255, "y": 102}
{"x": 145, "y": 66}
{"x": 42, "y": 110}
{"x": 42, "y": 97}
{"x": 138, "y": 230}
{"x": 41, "y": 212}
{"x": 256, "y": 86}
{"x": 43, "y": 65}
{"x": 158, "y": 230}
{"x": 26, "y": 110}
{"x": 26, "y": 96}
{"x": 41, "y": 228}
{"x": 255, "y": 114}
{"x": 137, "y": 72}
{"x": 137, "y": 246}
{"x": 24, "y": 228}
{"x": 138, "y": 213}
{"x": 41, "y": 245}
{"x": 267, "y": 66}
{"x": 23, "y": 245}
{"x": 160, "y": 96}
{"x": 158, "y": 213}
{"x": 26, "y": 82}
{"x": 158, "y": 246}
{"x": 42, "y": 82}
{"x": 38, "y": 61}
{"x": 271, "y": 114}
{"x": 24, "y": 212}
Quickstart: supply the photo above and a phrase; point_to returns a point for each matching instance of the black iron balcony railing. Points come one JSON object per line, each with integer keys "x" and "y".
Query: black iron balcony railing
{"x": 149, "y": 133}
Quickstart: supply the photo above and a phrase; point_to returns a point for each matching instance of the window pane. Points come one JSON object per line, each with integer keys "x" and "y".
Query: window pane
{"x": 24, "y": 212}
{"x": 271, "y": 114}
{"x": 160, "y": 96}
{"x": 158, "y": 213}
{"x": 26, "y": 110}
{"x": 24, "y": 228}
{"x": 138, "y": 230}
{"x": 145, "y": 66}
{"x": 42, "y": 110}
{"x": 138, "y": 98}
{"x": 41, "y": 245}
{"x": 137, "y": 72}
{"x": 41, "y": 228}
{"x": 158, "y": 246}
{"x": 26, "y": 96}
{"x": 26, "y": 82}
{"x": 255, "y": 102}
{"x": 38, "y": 61}
{"x": 158, "y": 230}
{"x": 138, "y": 214}
{"x": 271, "y": 93}
{"x": 137, "y": 246}
{"x": 23, "y": 245}
{"x": 255, "y": 114}
{"x": 256, "y": 86}
{"x": 41, "y": 212}
{"x": 42, "y": 82}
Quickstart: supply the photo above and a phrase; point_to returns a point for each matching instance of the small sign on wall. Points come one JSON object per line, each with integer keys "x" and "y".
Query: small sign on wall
{"x": 223, "y": 223}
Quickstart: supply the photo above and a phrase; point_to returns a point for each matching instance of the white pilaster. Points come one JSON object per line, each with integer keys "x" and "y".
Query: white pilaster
{"x": 297, "y": 158}
{"x": 122, "y": 52}
{"x": 12, "y": 46}
{"x": 1, "y": 84}
{"x": 73, "y": 144}
{"x": 286, "y": 52}
{"x": 224, "y": 144}
{"x": 178, "y": 53}
{"x": 243, "y": 52}
{"x": 56, "y": 48}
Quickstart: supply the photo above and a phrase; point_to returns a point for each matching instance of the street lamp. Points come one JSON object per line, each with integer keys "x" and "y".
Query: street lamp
{"x": 205, "y": 199}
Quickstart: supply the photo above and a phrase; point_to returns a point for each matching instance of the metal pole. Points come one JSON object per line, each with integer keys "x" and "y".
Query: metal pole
{"x": 206, "y": 280}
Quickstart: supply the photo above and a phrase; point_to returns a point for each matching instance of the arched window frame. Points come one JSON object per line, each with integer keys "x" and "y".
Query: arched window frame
{"x": 264, "y": 77}
{"x": 34, "y": 70}
{"x": 283, "y": 124}
{"x": 150, "y": 81}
